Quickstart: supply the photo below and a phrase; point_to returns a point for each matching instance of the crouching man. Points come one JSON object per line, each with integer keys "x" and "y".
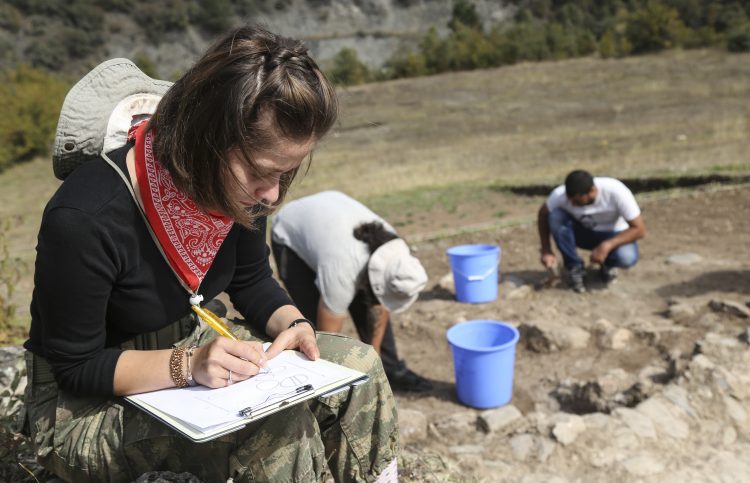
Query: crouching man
{"x": 598, "y": 214}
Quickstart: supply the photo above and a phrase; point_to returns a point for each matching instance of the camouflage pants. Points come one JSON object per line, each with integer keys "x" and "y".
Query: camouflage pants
{"x": 352, "y": 434}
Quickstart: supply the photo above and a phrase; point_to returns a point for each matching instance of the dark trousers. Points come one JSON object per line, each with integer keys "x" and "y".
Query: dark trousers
{"x": 299, "y": 280}
{"x": 569, "y": 234}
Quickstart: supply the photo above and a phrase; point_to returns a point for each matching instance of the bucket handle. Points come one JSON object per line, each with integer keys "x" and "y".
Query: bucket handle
{"x": 477, "y": 278}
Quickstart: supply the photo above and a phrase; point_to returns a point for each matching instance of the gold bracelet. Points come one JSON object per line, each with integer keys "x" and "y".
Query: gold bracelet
{"x": 175, "y": 367}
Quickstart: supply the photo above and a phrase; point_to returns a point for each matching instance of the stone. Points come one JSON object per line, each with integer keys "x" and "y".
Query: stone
{"x": 598, "y": 421}
{"x": 729, "y": 436}
{"x": 446, "y": 283}
{"x": 602, "y": 326}
{"x": 522, "y": 445}
{"x": 512, "y": 281}
{"x": 546, "y": 448}
{"x": 602, "y": 457}
{"x": 519, "y": 293}
{"x": 663, "y": 418}
{"x": 682, "y": 312}
{"x": 466, "y": 449}
{"x": 730, "y": 307}
{"x": 641, "y": 425}
{"x": 616, "y": 339}
{"x": 500, "y": 420}
{"x": 615, "y": 381}
{"x": 735, "y": 410}
{"x": 679, "y": 397}
{"x": 12, "y": 366}
{"x": 567, "y": 430}
{"x": 643, "y": 465}
{"x": 547, "y": 336}
{"x": 624, "y": 440}
{"x": 464, "y": 421}
{"x": 543, "y": 478}
{"x": 412, "y": 425}
{"x": 685, "y": 259}
{"x": 167, "y": 477}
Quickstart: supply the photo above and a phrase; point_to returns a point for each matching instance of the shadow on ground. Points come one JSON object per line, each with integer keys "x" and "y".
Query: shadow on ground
{"x": 737, "y": 281}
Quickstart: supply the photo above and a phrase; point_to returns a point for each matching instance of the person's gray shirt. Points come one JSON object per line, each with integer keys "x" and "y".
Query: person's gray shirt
{"x": 319, "y": 229}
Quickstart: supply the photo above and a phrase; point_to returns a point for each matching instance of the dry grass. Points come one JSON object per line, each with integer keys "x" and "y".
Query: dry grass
{"x": 427, "y": 153}
{"x": 677, "y": 113}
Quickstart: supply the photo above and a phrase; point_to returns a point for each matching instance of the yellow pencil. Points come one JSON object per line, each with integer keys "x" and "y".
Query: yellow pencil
{"x": 214, "y": 322}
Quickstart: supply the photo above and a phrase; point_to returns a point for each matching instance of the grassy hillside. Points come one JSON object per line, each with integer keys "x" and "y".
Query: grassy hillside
{"x": 678, "y": 113}
{"x": 427, "y": 152}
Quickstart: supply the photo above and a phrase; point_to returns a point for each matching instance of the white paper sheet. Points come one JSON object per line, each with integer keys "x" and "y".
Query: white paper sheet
{"x": 203, "y": 408}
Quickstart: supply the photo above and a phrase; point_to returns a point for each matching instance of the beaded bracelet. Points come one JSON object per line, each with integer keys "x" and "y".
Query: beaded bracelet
{"x": 189, "y": 377}
{"x": 175, "y": 367}
{"x": 302, "y": 321}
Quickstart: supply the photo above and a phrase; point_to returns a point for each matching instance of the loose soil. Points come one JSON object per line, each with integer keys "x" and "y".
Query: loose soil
{"x": 711, "y": 222}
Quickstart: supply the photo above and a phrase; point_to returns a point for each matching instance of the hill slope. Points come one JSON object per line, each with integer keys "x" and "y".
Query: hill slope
{"x": 71, "y": 35}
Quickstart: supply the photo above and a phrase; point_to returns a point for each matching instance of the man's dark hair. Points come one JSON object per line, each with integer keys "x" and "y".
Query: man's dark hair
{"x": 373, "y": 234}
{"x": 578, "y": 182}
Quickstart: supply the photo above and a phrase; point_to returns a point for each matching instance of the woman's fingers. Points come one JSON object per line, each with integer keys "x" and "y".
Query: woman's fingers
{"x": 309, "y": 347}
{"x": 300, "y": 337}
{"x": 214, "y": 362}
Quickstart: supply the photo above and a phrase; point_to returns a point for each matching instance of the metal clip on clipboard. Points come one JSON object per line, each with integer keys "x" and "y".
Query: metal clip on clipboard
{"x": 248, "y": 411}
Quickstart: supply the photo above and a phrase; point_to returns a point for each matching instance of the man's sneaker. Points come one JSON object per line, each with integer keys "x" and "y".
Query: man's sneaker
{"x": 575, "y": 279}
{"x": 404, "y": 379}
{"x": 608, "y": 274}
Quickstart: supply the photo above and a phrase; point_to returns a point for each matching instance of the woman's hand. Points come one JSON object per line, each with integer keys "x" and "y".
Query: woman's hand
{"x": 211, "y": 364}
{"x": 301, "y": 337}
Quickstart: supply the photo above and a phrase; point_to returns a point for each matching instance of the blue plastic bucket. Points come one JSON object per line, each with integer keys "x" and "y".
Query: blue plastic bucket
{"x": 474, "y": 270}
{"x": 484, "y": 353}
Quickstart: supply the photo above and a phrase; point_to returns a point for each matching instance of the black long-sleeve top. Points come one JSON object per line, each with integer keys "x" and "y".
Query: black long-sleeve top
{"x": 100, "y": 279}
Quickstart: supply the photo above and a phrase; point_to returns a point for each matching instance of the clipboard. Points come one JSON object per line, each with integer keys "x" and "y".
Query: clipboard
{"x": 202, "y": 414}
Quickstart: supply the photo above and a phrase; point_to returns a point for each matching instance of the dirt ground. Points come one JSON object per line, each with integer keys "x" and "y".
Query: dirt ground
{"x": 711, "y": 222}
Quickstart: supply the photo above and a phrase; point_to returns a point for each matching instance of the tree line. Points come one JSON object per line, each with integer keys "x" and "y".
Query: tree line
{"x": 31, "y": 96}
{"x": 561, "y": 29}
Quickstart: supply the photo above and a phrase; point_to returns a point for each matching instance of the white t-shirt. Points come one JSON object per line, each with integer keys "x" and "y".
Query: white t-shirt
{"x": 319, "y": 228}
{"x": 613, "y": 207}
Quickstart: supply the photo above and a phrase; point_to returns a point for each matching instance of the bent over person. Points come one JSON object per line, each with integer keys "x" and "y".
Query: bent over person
{"x": 598, "y": 214}
{"x": 177, "y": 212}
{"x": 335, "y": 256}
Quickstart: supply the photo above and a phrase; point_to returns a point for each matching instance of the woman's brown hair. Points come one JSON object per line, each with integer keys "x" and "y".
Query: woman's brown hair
{"x": 225, "y": 102}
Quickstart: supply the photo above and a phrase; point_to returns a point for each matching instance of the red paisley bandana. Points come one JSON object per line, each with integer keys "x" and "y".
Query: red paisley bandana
{"x": 189, "y": 237}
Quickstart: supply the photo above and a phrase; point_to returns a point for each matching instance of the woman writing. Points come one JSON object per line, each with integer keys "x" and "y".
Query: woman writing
{"x": 188, "y": 195}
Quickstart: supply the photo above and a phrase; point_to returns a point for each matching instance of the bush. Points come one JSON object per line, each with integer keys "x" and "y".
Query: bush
{"x": 159, "y": 18}
{"x": 10, "y": 18}
{"x": 214, "y": 15}
{"x": 464, "y": 13}
{"x": 47, "y": 55}
{"x": 10, "y": 275}
{"x": 407, "y": 64}
{"x": 654, "y": 27}
{"x": 348, "y": 69}
{"x": 144, "y": 62}
{"x": 738, "y": 39}
{"x": 31, "y": 101}
{"x": 524, "y": 41}
{"x": 468, "y": 48}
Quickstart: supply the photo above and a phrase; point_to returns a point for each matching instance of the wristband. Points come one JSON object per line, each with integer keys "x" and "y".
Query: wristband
{"x": 189, "y": 376}
{"x": 303, "y": 321}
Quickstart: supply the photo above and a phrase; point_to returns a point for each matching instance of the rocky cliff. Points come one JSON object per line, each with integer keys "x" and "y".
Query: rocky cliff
{"x": 71, "y": 40}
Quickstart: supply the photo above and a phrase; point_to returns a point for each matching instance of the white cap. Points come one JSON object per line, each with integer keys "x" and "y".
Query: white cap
{"x": 395, "y": 275}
